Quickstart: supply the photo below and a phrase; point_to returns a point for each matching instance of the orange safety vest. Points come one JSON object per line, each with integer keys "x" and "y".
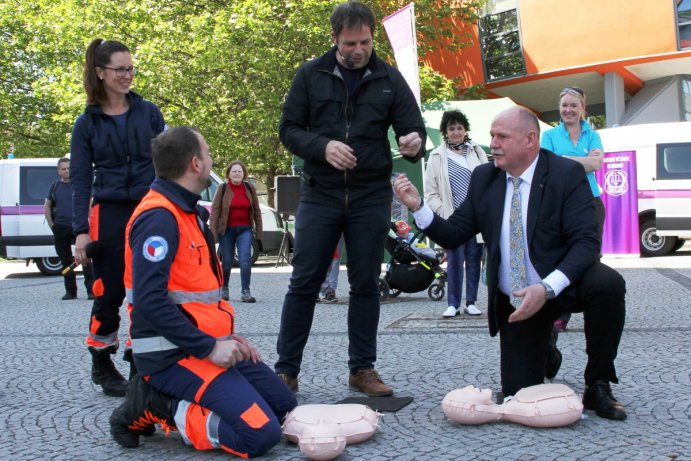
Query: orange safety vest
{"x": 192, "y": 285}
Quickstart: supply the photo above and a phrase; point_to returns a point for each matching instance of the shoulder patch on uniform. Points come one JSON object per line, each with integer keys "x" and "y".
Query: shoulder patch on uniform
{"x": 155, "y": 248}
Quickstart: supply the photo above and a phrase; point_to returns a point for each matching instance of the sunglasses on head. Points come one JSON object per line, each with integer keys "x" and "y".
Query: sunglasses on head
{"x": 574, "y": 89}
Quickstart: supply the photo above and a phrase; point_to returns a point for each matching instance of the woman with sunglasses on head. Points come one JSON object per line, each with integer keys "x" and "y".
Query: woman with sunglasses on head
{"x": 111, "y": 170}
{"x": 575, "y": 139}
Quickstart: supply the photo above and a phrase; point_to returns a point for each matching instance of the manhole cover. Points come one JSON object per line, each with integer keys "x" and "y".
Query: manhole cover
{"x": 436, "y": 321}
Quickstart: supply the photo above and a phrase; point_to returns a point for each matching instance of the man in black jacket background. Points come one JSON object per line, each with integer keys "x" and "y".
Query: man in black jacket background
{"x": 336, "y": 117}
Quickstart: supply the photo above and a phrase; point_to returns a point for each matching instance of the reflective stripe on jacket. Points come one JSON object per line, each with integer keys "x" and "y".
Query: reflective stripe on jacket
{"x": 193, "y": 286}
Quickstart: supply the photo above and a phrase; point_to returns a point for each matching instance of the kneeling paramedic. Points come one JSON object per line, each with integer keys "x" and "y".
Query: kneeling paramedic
{"x": 195, "y": 374}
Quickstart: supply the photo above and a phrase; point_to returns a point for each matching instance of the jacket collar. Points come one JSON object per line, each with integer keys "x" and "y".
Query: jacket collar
{"x": 537, "y": 190}
{"x": 132, "y": 97}
{"x": 327, "y": 62}
{"x": 177, "y": 194}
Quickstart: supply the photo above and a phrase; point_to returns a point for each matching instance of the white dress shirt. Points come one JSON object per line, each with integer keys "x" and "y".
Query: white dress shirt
{"x": 556, "y": 279}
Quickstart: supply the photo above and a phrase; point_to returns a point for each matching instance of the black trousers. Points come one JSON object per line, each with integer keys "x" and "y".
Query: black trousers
{"x": 600, "y": 296}
{"x": 64, "y": 238}
{"x": 108, "y": 221}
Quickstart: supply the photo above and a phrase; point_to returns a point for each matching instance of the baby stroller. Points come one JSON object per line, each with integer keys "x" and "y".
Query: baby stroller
{"x": 409, "y": 271}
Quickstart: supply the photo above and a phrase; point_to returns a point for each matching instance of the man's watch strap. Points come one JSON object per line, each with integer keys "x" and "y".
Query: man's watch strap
{"x": 549, "y": 291}
{"x": 422, "y": 202}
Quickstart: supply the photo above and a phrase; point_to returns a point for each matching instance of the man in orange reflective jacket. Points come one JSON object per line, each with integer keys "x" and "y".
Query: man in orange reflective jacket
{"x": 195, "y": 374}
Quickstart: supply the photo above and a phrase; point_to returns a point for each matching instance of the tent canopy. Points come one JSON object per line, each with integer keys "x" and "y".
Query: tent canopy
{"x": 480, "y": 114}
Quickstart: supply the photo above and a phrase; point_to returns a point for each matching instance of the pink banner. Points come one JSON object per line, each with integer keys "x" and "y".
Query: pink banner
{"x": 619, "y": 193}
{"x": 400, "y": 27}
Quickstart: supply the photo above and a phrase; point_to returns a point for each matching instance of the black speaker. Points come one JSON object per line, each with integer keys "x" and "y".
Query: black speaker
{"x": 287, "y": 190}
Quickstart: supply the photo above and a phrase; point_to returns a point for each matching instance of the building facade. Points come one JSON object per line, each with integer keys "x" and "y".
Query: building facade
{"x": 631, "y": 57}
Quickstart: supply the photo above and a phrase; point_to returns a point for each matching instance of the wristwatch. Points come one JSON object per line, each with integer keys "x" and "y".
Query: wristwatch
{"x": 549, "y": 292}
{"x": 422, "y": 202}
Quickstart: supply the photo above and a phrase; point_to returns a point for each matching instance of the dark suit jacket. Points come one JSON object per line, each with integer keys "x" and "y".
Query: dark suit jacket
{"x": 561, "y": 226}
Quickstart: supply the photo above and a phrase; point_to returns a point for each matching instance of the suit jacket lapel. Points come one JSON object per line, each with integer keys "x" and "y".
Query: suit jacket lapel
{"x": 537, "y": 189}
{"x": 497, "y": 196}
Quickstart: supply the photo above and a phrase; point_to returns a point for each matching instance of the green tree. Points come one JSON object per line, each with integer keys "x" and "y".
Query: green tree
{"x": 223, "y": 67}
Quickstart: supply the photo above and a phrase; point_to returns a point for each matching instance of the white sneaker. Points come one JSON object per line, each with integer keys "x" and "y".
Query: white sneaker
{"x": 472, "y": 310}
{"x": 450, "y": 312}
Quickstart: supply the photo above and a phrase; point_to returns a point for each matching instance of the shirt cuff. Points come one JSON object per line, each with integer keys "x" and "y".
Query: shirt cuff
{"x": 423, "y": 217}
{"x": 558, "y": 281}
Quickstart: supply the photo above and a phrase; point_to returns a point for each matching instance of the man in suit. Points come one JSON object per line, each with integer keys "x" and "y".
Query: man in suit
{"x": 553, "y": 245}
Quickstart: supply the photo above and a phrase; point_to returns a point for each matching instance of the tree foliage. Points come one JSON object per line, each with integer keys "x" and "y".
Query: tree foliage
{"x": 222, "y": 66}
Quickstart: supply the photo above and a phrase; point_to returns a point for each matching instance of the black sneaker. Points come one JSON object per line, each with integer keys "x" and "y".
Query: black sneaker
{"x": 68, "y": 296}
{"x": 330, "y": 297}
{"x": 247, "y": 297}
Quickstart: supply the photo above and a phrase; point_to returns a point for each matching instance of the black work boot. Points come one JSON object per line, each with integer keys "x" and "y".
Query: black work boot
{"x": 127, "y": 357}
{"x": 104, "y": 373}
{"x": 143, "y": 407}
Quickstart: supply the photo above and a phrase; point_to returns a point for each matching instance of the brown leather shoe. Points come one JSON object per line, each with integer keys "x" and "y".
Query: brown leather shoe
{"x": 369, "y": 382}
{"x": 289, "y": 381}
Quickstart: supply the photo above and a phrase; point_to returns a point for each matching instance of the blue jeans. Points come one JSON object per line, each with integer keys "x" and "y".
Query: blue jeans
{"x": 239, "y": 237}
{"x": 317, "y": 230}
{"x": 331, "y": 281}
{"x": 470, "y": 254}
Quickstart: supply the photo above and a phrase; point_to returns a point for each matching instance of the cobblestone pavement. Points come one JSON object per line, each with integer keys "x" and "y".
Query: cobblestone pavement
{"x": 50, "y": 410}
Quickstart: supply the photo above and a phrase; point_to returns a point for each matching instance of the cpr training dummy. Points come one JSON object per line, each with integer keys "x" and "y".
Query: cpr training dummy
{"x": 322, "y": 431}
{"x": 543, "y": 405}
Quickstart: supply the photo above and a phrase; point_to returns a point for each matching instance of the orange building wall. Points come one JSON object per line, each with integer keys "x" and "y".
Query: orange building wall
{"x": 466, "y": 63}
{"x": 557, "y": 34}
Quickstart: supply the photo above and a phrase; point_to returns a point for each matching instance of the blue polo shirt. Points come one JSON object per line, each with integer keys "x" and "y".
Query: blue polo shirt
{"x": 558, "y": 141}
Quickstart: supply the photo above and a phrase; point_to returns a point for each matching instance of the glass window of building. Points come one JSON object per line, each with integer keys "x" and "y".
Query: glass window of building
{"x": 502, "y": 53}
{"x": 684, "y": 22}
{"x": 686, "y": 99}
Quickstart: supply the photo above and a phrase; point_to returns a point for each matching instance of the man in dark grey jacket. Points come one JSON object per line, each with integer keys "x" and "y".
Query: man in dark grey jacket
{"x": 336, "y": 117}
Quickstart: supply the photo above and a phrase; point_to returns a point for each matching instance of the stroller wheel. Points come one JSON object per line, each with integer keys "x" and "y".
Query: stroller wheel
{"x": 393, "y": 292}
{"x": 383, "y": 289}
{"x": 436, "y": 291}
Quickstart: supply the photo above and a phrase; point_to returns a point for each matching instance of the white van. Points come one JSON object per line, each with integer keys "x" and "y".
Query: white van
{"x": 663, "y": 160}
{"x": 24, "y": 232}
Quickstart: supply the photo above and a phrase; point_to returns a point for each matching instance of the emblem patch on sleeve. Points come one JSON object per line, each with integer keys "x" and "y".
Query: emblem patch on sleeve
{"x": 155, "y": 248}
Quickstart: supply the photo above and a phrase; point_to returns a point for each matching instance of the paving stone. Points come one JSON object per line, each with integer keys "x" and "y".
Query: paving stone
{"x": 50, "y": 409}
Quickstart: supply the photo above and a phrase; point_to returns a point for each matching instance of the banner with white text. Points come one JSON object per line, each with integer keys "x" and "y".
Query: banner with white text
{"x": 619, "y": 193}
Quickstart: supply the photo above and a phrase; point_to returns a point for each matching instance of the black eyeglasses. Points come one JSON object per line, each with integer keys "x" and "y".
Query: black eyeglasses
{"x": 573, "y": 88}
{"x": 122, "y": 71}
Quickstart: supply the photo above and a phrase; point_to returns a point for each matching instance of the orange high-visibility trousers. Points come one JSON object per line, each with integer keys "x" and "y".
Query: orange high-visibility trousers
{"x": 237, "y": 409}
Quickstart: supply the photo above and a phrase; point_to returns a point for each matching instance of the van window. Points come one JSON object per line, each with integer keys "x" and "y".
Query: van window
{"x": 209, "y": 192}
{"x": 674, "y": 161}
{"x": 34, "y": 183}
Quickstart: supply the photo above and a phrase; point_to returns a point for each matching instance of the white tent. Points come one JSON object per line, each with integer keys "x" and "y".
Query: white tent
{"x": 480, "y": 114}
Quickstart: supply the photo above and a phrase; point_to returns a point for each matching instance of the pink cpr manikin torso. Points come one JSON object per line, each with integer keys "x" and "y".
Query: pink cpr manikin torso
{"x": 543, "y": 405}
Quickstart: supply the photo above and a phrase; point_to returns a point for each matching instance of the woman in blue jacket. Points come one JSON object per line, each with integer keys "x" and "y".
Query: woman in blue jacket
{"x": 111, "y": 170}
{"x": 573, "y": 138}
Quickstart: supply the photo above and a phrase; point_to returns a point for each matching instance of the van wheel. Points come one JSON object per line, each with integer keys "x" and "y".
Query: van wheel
{"x": 680, "y": 243}
{"x": 653, "y": 244}
{"x": 254, "y": 252}
{"x": 49, "y": 266}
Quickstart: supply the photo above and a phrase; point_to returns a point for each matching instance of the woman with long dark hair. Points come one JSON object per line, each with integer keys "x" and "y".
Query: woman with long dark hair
{"x": 111, "y": 170}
